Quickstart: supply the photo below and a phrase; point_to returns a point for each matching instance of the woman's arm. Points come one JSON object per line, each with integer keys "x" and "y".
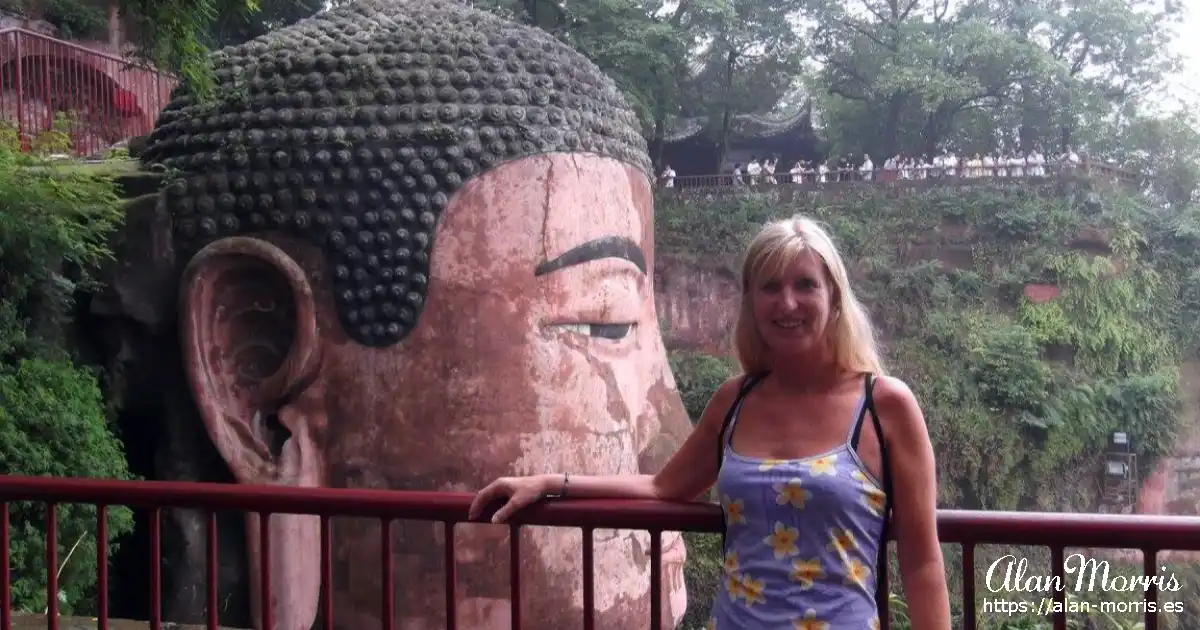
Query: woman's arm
{"x": 914, "y": 516}
{"x": 690, "y": 472}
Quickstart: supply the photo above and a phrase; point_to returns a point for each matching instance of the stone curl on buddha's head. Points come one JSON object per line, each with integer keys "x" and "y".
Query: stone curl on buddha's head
{"x": 353, "y": 129}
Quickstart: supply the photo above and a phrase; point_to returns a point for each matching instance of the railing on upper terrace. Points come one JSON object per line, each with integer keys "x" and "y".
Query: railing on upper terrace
{"x": 728, "y": 183}
{"x": 93, "y": 98}
{"x": 1151, "y": 535}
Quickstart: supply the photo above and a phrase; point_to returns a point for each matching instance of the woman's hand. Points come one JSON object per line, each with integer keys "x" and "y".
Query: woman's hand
{"x": 519, "y": 492}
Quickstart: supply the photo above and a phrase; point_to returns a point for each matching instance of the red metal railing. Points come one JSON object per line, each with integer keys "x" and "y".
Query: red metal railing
{"x": 1150, "y": 534}
{"x": 93, "y": 98}
{"x": 908, "y": 175}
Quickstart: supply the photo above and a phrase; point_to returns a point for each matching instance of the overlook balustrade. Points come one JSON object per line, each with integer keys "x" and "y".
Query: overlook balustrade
{"x": 95, "y": 98}
{"x": 835, "y": 179}
{"x": 1152, "y": 535}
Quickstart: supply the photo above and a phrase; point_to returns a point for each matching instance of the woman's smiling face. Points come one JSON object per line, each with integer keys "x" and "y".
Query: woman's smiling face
{"x": 793, "y": 307}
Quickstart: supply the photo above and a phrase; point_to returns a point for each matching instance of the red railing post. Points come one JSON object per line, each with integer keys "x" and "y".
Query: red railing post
{"x": 102, "y": 567}
{"x": 51, "y": 566}
{"x": 514, "y": 567}
{"x": 17, "y": 40}
{"x": 5, "y": 572}
{"x": 155, "y": 569}
{"x": 589, "y": 579}
{"x": 451, "y": 578}
{"x": 387, "y": 583}
{"x": 326, "y": 574}
{"x": 210, "y": 571}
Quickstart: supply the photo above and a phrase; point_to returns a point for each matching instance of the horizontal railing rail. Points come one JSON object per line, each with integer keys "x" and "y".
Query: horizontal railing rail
{"x": 42, "y": 37}
{"x": 1150, "y": 534}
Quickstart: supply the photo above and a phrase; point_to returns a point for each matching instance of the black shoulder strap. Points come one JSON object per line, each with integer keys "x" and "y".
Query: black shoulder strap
{"x": 748, "y": 383}
{"x": 881, "y": 594}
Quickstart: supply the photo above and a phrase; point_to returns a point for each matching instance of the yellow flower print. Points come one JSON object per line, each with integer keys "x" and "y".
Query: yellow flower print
{"x": 733, "y": 584}
{"x": 873, "y": 498}
{"x": 783, "y": 540}
{"x": 857, "y": 573}
{"x": 752, "y": 590}
{"x": 810, "y": 622}
{"x": 823, "y": 465}
{"x": 731, "y": 562}
{"x": 805, "y": 571}
{"x": 735, "y": 511}
{"x": 768, "y": 464}
{"x": 791, "y": 492}
{"x": 874, "y": 625}
{"x": 842, "y": 541}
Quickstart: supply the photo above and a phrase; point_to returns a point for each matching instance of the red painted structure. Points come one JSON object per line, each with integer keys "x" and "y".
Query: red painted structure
{"x": 1150, "y": 534}
{"x": 107, "y": 99}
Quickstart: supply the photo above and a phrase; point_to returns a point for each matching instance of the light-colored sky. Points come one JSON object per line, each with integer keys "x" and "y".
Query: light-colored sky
{"x": 1184, "y": 90}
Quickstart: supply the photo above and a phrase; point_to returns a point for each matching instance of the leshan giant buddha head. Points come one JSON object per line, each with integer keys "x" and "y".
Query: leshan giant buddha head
{"x": 419, "y": 245}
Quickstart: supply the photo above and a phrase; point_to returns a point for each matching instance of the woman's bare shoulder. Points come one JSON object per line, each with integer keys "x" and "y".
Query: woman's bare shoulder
{"x": 899, "y": 411}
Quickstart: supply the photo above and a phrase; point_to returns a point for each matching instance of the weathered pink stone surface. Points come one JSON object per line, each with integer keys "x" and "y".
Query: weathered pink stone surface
{"x": 490, "y": 383}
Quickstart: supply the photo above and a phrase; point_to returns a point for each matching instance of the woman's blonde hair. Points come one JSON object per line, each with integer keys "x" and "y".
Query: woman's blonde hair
{"x": 776, "y": 247}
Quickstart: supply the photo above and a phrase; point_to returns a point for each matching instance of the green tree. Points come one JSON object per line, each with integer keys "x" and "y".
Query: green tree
{"x": 750, "y": 57}
{"x": 978, "y": 76}
{"x": 54, "y": 229}
{"x": 234, "y": 24}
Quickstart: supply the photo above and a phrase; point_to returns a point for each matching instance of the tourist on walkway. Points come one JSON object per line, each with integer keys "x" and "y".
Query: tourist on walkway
{"x": 809, "y": 449}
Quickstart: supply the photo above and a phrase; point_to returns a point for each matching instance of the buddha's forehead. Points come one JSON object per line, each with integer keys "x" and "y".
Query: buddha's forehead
{"x": 537, "y": 209}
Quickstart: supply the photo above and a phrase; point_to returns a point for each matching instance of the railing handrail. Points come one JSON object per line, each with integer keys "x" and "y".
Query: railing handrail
{"x": 954, "y": 526}
{"x": 61, "y": 42}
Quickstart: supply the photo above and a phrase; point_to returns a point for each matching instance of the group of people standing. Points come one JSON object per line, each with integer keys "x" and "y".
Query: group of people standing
{"x": 948, "y": 164}
{"x": 899, "y": 167}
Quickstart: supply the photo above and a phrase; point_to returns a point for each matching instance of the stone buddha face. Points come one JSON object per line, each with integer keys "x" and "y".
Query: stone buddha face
{"x": 372, "y": 305}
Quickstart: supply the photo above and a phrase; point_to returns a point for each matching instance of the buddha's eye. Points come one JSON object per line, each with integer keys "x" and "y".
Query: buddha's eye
{"x": 600, "y": 331}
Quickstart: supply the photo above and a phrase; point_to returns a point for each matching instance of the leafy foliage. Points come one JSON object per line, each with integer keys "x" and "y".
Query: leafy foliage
{"x": 52, "y": 423}
{"x": 74, "y": 19}
{"x": 54, "y": 227}
{"x": 697, "y": 376}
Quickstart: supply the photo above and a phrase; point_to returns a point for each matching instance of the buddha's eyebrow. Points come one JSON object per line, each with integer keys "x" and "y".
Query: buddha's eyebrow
{"x": 596, "y": 249}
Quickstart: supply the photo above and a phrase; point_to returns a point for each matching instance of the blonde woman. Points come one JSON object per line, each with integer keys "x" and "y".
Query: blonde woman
{"x": 809, "y": 449}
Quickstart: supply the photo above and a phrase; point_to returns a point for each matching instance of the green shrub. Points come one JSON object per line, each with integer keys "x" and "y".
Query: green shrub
{"x": 54, "y": 227}
{"x": 52, "y": 423}
{"x": 698, "y": 376}
{"x": 702, "y": 574}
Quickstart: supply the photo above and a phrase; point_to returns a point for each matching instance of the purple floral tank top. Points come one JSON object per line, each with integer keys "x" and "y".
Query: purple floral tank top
{"x": 802, "y": 540}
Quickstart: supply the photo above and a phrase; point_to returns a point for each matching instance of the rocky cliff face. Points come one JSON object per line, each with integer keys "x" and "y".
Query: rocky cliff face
{"x": 697, "y": 304}
{"x": 1174, "y": 486}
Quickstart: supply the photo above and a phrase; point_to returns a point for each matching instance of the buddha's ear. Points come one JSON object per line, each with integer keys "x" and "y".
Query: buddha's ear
{"x": 251, "y": 350}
